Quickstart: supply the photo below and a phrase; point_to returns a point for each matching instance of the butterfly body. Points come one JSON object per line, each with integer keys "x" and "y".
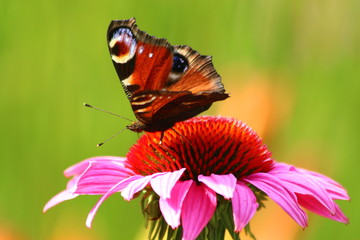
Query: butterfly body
{"x": 165, "y": 84}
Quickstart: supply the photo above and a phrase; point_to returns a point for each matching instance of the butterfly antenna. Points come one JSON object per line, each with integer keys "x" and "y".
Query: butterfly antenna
{"x": 90, "y": 106}
{"x": 102, "y": 143}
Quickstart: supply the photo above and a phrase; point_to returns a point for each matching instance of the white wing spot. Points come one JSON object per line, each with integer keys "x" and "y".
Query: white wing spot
{"x": 142, "y": 102}
{"x": 130, "y": 45}
{"x": 127, "y": 81}
{"x": 142, "y": 110}
{"x": 151, "y": 55}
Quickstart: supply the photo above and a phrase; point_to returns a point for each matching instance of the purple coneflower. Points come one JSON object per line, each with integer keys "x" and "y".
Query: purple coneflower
{"x": 209, "y": 175}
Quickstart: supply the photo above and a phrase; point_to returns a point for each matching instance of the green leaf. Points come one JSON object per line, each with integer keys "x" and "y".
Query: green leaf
{"x": 248, "y": 231}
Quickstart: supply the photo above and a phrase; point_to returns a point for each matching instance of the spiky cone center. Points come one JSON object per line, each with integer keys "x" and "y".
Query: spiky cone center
{"x": 202, "y": 145}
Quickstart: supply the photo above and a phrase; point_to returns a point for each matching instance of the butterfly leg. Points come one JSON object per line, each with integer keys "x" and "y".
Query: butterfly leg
{"x": 161, "y": 137}
{"x": 183, "y": 137}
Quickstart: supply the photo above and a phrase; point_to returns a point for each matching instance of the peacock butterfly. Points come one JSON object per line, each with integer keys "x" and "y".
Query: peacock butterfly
{"x": 165, "y": 84}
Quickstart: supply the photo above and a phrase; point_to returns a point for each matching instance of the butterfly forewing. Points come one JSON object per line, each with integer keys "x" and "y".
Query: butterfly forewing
{"x": 143, "y": 62}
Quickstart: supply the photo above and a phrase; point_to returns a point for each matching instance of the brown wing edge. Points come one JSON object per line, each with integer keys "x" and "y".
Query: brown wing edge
{"x": 140, "y": 35}
{"x": 184, "y": 107}
{"x": 198, "y": 64}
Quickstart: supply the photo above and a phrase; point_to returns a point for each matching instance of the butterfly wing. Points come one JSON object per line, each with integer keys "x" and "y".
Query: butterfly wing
{"x": 185, "y": 107}
{"x": 198, "y": 79}
{"x": 200, "y": 75}
{"x": 142, "y": 62}
{"x": 164, "y": 84}
{"x": 146, "y": 104}
{"x": 160, "y": 110}
{"x": 192, "y": 86}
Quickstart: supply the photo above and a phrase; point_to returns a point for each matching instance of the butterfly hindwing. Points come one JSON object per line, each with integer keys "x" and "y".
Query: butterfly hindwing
{"x": 146, "y": 104}
{"x": 186, "y": 106}
{"x": 161, "y": 109}
{"x": 200, "y": 75}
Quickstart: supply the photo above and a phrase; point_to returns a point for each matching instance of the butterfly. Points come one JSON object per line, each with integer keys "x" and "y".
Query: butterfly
{"x": 165, "y": 84}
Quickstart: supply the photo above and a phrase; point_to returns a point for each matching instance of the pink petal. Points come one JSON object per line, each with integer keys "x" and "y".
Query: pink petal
{"x": 67, "y": 194}
{"x": 138, "y": 185}
{"x": 60, "y": 197}
{"x": 334, "y": 188}
{"x": 100, "y": 176}
{"x": 116, "y": 188}
{"x": 198, "y": 207}
{"x": 171, "y": 207}
{"x": 279, "y": 194}
{"x": 80, "y": 167}
{"x": 310, "y": 203}
{"x": 278, "y": 166}
{"x": 221, "y": 184}
{"x": 244, "y": 205}
{"x": 305, "y": 185}
{"x": 163, "y": 184}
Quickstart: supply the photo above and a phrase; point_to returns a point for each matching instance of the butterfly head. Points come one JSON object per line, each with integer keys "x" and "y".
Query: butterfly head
{"x": 136, "y": 126}
{"x": 160, "y": 126}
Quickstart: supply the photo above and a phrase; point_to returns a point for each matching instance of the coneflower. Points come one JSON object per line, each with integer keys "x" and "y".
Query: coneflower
{"x": 209, "y": 175}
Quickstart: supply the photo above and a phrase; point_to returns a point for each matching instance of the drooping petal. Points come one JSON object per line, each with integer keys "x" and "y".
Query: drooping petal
{"x": 221, "y": 184}
{"x": 163, "y": 184}
{"x": 100, "y": 176}
{"x": 58, "y": 198}
{"x": 116, "y": 188}
{"x": 302, "y": 184}
{"x": 80, "y": 167}
{"x": 138, "y": 185}
{"x": 171, "y": 207}
{"x": 244, "y": 205}
{"x": 313, "y": 190}
{"x": 198, "y": 208}
{"x": 67, "y": 194}
{"x": 91, "y": 176}
{"x": 310, "y": 203}
{"x": 335, "y": 189}
{"x": 278, "y": 193}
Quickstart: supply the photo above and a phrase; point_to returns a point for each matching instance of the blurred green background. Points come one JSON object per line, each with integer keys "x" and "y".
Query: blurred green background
{"x": 54, "y": 57}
